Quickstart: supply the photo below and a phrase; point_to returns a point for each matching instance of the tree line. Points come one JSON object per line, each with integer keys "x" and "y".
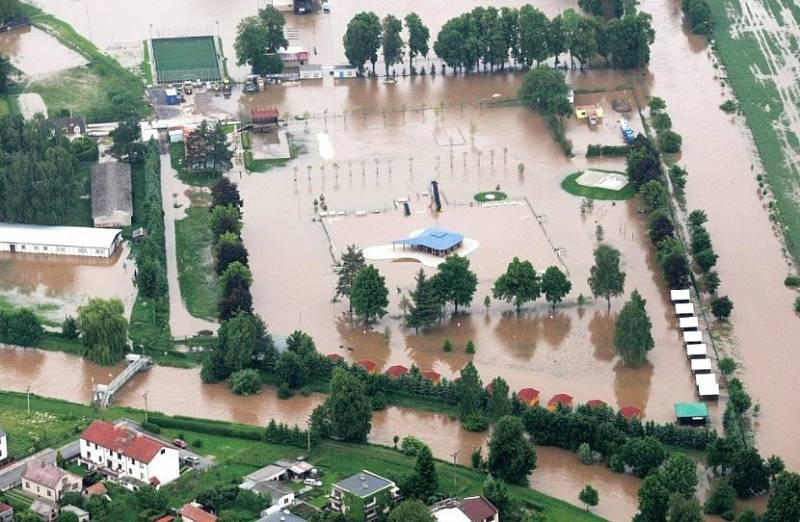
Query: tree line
{"x": 489, "y": 38}
{"x": 39, "y": 173}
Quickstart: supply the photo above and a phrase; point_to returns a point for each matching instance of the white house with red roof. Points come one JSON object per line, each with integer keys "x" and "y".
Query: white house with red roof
{"x": 121, "y": 454}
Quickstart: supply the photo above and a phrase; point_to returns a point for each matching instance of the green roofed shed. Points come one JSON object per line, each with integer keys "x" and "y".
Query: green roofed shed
{"x": 691, "y": 412}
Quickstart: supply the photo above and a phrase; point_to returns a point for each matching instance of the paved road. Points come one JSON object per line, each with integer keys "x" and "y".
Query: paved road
{"x": 11, "y": 475}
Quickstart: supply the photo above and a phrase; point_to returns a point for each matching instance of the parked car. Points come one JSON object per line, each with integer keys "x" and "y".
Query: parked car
{"x": 182, "y": 444}
{"x": 312, "y": 482}
{"x": 191, "y": 460}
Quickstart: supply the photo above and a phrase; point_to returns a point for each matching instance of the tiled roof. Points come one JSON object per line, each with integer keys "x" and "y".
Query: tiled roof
{"x": 397, "y": 370}
{"x": 528, "y": 394}
{"x": 5, "y": 507}
{"x": 196, "y": 514}
{"x": 131, "y": 444}
{"x": 560, "y": 398}
{"x": 595, "y": 403}
{"x": 368, "y": 365}
{"x": 478, "y": 509}
{"x": 46, "y": 475}
{"x": 431, "y": 376}
{"x": 98, "y": 488}
{"x": 630, "y": 412}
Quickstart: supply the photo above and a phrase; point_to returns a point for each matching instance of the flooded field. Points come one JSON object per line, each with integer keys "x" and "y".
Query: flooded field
{"x": 36, "y": 53}
{"x": 56, "y": 285}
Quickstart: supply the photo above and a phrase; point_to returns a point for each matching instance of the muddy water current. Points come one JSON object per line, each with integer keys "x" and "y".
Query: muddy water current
{"x": 367, "y": 143}
{"x": 36, "y": 53}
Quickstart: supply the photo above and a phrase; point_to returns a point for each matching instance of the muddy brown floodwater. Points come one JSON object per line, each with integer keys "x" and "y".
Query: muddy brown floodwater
{"x": 36, "y": 53}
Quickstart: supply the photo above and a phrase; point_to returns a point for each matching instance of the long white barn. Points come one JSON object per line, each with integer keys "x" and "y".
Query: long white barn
{"x": 60, "y": 241}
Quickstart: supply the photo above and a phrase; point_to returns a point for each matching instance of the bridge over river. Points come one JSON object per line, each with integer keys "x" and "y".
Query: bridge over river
{"x": 103, "y": 394}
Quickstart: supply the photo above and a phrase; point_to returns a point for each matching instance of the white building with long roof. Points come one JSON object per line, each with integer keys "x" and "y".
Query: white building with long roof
{"x": 60, "y": 241}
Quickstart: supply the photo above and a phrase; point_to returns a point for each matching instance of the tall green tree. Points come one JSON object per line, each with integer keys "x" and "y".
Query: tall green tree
{"x": 633, "y": 331}
{"x": 468, "y": 390}
{"x": 352, "y": 262}
{"x": 349, "y": 407}
{"x": 509, "y": 18}
{"x": 104, "y": 330}
{"x": 722, "y": 498}
{"x": 242, "y": 338}
{"x": 682, "y": 509}
{"x": 643, "y": 454}
{"x": 418, "y": 37}
{"x": 589, "y": 496}
{"x": 426, "y": 479}
{"x": 225, "y": 220}
{"x": 229, "y": 249}
{"x": 362, "y": 39}
{"x": 127, "y": 144}
{"x": 250, "y": 44}
{"x": 426, "y": 304}
{"x": 749, "y": 474}
{"x": 496, "y": 492}
{"x": 511, "y": 456}
{"x": 784, "y": 500}
{"x": 555, "y": 286}
{"x": 273, "y": 21}
{"x": 391, "y": 42}
{"x": 411, "y": 511}
{"x": 606, "y": 278}
{"x": 456, "y": 282}
{"x": 225, "y": 192}
{"x": 629, "y": 39}
{"x": 369, "y": 295}
{"x": 5, "y": 73}
{"x": 545, "y": 89}
{"x": 579, "y": 36}
{"x": 499, "y": 404}
{"x": 519, "y": 284}
{"x": 533, "y": 30}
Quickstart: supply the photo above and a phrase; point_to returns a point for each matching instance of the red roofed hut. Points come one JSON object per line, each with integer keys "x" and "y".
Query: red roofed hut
{"x": 596, "y": 403}
{"x": 562, "y": 399}
{"x": 396, "y": 371}
{"x": 488, "y": 388}
{"x": 630, "y": 412}
{"x": 334, "y": 357}
{"x": 264, "y": 120}
{"x": 432, "y": 376}
{"x": 369, "y": 365}
{"x": 529, "y": 396}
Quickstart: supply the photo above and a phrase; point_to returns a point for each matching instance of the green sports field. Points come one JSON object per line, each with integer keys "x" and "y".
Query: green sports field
{"x": 189, "y": 58}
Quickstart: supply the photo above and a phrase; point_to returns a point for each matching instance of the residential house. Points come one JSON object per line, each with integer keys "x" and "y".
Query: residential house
{"x": 71, "y": 127}
{"x": 3, "y": 445}
{"x": 83, "y": 516}
{"x": 193, "y": 512}
{"x": 470, "y": 509}
{"x": 129, "y": 456}
{"x": 98, "y": 489}
{"x": 6, "y": 513}
{"x": 281, "y": 497}
{"x": 48, "y": 481}
{"x": 364, "y": 496}
{"x": 281, "y": 516}
{"x": 112, "y": 201}
{"x": 278, "y": 470}
{"x": 46, "y": 510}
{"x": 311, "y": 71}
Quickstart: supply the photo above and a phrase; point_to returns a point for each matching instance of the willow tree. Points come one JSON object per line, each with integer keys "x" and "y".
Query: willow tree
{"x": 104, "y": 330}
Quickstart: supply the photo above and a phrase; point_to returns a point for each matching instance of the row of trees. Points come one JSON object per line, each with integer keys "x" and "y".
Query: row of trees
{"x": 491, "y": 37}
{"x": 366, "y": 34}
{"x": 257, "y": 40}
{"x": 39, "y": 174}
{"x": 669, "y": 141}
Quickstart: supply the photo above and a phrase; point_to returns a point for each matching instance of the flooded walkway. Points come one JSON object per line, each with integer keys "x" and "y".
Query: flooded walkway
{"x": 182, "y": 323}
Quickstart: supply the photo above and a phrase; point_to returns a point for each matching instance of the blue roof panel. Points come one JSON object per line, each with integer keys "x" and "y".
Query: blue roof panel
{"x": 433, "y": 238}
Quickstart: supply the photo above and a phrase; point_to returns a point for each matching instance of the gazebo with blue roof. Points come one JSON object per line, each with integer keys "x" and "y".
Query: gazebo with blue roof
{"x": 436, "y": 241}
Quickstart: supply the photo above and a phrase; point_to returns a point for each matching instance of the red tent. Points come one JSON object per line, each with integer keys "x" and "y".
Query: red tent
{"x": 529, "y": 395}
{"x": 432, "y": 376}
{"x": 396, "y": 371}
{"x": 368, "y": 365}
{"x": 595, "y": 403}
{"x": 333, "y": 357}
{"x": 630, "y": 412}
{"x": 488, "y": 388}
{"x": 559, "y": 398}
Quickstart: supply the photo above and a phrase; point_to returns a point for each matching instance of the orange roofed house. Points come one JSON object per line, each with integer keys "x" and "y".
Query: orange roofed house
{"x": 128, "y": 456}
{"x": 193, "y": 512}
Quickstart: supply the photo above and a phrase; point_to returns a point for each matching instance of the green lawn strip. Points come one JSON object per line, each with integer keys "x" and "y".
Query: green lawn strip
{"x": 144, "y": 68}
{"x": 17, "y": 499}
{"x": 177, "y": 152}
{"x": 570, "y": 185}
{"x": 738, "y": 54}
{"x": 80, "y": 88}
{"x": 138, "y": 195}
{"x": 196, "y": 276}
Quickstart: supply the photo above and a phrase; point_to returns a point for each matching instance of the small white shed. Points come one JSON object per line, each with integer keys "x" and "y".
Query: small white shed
{"x": 692, "y": 336}
{"x": 688, "y": 323}
{"x": 701, "y": 365}
{"x": 696, "y": 350}
{"x": 686, "y": 309}
{"x": 680, "y": 296}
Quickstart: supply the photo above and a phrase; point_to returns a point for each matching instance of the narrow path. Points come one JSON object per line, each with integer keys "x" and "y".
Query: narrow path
{"x": 181, "y": 322}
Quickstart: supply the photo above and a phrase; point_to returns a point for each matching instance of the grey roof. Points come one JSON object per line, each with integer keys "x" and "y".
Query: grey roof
{"x": 311, "y": 67}
{"x": 265, "y": 473}
{"x": 42, "y": 506}
{"x": 364, "y": 484}
{"x": 273, "y": 488}
{"x": 281, "y": 516}
{"x": 111, "y": 188}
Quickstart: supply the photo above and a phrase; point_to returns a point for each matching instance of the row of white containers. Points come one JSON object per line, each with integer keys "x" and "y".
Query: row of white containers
{"x": 696, "y": 349}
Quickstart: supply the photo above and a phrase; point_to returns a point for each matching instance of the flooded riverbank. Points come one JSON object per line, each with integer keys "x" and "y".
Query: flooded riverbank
{"x": 36, "y": 53}
{"x": 180, "y": 392}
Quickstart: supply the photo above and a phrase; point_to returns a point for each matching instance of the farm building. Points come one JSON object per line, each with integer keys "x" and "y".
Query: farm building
{"x": 112, "y": 205}
{"x": 60, "y": 241}
{"x": 264, "y": 120}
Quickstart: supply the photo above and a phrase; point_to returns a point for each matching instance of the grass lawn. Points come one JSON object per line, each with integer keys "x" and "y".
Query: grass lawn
{"x": 196, "y": 179}
{"x": 493, "y": 195}
{"x": 237, "y": 457}
{"x": 740, "y": 53}
{"x": 145, "y": 70}
{"x": 570, "y": 185}
{"x": 198, "y": 281}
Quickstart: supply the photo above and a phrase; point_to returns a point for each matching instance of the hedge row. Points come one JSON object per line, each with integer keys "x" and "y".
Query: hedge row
{"x": 209, "y": 427}
{"x": 593, "y": 151}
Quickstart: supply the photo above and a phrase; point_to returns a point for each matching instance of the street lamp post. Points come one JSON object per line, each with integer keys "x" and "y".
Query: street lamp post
{"x": 145, "y": 404}
{"x": 28, "y": 391}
